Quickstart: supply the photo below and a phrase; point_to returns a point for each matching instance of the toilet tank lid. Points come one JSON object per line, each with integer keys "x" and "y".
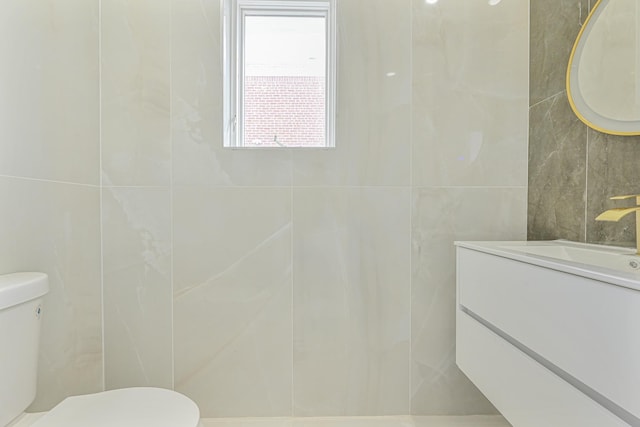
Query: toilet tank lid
{"x": 16, "y": 288}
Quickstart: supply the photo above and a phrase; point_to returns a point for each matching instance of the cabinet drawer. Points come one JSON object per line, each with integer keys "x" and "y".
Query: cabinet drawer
{"x": 587, "y": 328}
{"x": 527, "y": 394}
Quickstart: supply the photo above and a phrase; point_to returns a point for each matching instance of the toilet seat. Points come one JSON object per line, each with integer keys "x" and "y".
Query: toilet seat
{"x": 128, "y": 407}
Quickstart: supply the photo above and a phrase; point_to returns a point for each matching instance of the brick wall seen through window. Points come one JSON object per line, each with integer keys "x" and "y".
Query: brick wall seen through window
{"x": 284, "y": 111}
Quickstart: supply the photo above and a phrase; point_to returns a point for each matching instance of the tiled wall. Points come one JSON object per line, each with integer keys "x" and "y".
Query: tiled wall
{"x": 309, "y": 282}
{"x": 49, "y": 182}
{"x": 469, "y": 171}
{"x": 306, "y": 282}
{"x": 573, "y": 169}
{"x": 136, "y": 197}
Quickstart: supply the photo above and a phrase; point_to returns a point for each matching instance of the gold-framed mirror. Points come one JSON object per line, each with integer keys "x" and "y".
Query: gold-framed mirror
{"x": 603, "y": 76}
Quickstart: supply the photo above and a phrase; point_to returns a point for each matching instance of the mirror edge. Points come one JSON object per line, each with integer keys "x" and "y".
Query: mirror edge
{"x": 575, "y": 97}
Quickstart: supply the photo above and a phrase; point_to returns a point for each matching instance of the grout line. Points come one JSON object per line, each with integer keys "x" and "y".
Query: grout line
{"x": 329, "y": 187}
{"x": 50, "y": 181}
{"x": 471, "y": 187}
{"x": 171, "y": 220}
{"x": 586, "y": 185}
{"x": 292, "y": 295}
{"x": 323, "y": 186}
{"x": 528, "y": 142}
{"x": 104, "y": 370}
{"x": 411, "y": 192}
{"x": 149, "y": 187}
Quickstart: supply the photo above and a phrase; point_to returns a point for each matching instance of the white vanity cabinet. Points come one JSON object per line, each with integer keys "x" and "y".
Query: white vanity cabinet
{"x": 550, "y": 340}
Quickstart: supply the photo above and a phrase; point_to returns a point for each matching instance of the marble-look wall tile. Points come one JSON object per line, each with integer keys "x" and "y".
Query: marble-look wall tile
{"x": 135, "y": 52}
{"x": 557, "y": 172}
{"x": 557, "y": 139}
{"x": 55, "y": 228}
{"x": 199, "y": 159}
{"x": 470, "y": 89}
{"x": 351, "y": 301}
{"x": 136, "y": 230}
{"x": 555, "y": 24}
{"x": 232, "y": 300}
{"x": 440, "y": 217}
{"x": 373, "y": 123}
{"x": 49, "y": 86}
{"x": 569, "y": 187}
{"x": 612, "y": 171}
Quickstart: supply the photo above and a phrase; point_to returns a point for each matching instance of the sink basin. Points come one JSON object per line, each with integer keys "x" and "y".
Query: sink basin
{"x": 613, "y": 258}
{"x": 615, "y": 265}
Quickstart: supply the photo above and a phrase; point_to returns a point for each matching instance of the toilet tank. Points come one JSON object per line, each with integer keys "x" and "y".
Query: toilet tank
{"x": 20, "y": 317}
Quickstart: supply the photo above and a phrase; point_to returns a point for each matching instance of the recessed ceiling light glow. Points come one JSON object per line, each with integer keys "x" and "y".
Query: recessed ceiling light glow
{"x": 391, "y": 74}
{"x": 431, "y": 1}
{"x": 494, "y": 2}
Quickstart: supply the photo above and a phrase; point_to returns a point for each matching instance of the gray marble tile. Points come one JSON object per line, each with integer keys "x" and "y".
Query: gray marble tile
{"x": 373, "y": 123}
{"x": 49, "y": 81}
{"x": 136, "y": 247}
{"x": 554, "y": 26}
{"x": 135, "y": 92}
{"x": 440, "y": 217}
{"x": 613, "y": 171}
{"x": 351, "y": 301}
{"x": 55, "y": 228}
{"x": 557, "y": 171}
{"x": 232, "y": 300}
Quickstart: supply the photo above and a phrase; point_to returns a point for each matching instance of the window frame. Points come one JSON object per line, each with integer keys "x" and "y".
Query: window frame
{"x": 234, "y": 12}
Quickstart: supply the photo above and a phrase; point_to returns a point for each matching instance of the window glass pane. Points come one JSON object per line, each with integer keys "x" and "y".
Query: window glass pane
{"x": 284, "y": 81}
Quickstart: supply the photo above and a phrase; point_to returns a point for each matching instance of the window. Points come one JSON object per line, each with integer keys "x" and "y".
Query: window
{"x": 279, "y": 73}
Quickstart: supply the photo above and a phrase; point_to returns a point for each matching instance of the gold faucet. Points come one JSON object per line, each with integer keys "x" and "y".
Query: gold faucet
{"x": 617, "y": 214}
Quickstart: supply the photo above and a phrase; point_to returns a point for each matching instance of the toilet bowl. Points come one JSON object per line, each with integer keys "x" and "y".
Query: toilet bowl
{"x": 20, "y": 317}
{"x": 127, "y": 407}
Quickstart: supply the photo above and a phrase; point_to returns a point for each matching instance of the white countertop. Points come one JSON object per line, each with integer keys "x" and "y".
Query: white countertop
{"x": 608, "y": 264}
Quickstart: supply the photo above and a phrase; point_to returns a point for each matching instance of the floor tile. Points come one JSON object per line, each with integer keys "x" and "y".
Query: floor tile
{"x": 395, "y": 421}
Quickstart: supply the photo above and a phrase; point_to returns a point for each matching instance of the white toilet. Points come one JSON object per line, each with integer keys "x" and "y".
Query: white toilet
{"x": 20, "y": 316}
